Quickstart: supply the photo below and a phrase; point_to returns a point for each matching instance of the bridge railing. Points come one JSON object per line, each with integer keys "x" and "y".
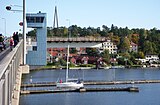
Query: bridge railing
{"x": 76, "y": 39}
{"x": 8, "y": 71}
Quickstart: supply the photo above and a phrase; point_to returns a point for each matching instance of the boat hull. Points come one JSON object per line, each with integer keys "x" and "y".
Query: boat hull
{"x": 70, "y": 85}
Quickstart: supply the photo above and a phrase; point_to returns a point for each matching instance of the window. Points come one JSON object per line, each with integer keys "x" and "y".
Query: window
{"x": 34, "y": 48}
{"x": 39, "y": 19}
{"x": 35, "y": 19}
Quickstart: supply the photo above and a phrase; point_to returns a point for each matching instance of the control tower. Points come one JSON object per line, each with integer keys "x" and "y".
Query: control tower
{"x": 36, "y": 49}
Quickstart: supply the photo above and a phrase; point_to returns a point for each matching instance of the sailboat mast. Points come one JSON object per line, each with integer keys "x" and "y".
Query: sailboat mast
{"x": 67, "y": 63}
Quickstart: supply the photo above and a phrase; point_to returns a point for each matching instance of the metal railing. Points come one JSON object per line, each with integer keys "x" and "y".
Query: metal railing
{"x": 9, "y": 67}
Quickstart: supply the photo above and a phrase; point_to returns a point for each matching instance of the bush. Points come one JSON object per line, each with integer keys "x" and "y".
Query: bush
{"x": 86, "y": 65}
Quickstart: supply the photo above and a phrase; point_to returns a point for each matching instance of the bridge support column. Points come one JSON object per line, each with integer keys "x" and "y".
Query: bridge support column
{"x": 25, "y": 69}
{"x": 16, "y": 94}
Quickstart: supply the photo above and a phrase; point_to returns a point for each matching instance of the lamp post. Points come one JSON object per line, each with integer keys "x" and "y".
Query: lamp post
{"x": 4, "y": 25}
{"x": 69, "y": 31}
{"x": 24, "y": 33}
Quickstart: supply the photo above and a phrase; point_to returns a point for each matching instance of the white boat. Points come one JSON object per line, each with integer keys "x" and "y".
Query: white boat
{"x": 69, "y": 83}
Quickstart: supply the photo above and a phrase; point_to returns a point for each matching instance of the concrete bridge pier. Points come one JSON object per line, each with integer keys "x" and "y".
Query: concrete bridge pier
{"x": 23, "y": 69}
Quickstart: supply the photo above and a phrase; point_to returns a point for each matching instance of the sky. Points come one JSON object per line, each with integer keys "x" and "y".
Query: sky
{"x": 85, "y": 13}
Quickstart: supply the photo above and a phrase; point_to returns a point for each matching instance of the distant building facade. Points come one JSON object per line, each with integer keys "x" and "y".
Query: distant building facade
{"x": 133, "y": 47}
{"x": 152, "y": 58}
{"x": 109, "y": 46}
{"x": 36, "y": 51}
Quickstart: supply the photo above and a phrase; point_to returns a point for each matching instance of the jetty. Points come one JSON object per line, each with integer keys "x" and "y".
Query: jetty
{"x": 48, "y": 84}
{"x": 62, "y": 90}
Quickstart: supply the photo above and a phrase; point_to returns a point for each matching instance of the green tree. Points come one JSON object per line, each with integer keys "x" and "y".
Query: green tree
{"x": 149, "y": 47}
{"x": 73, "y": 50}
{"x": 124, "y": 45}
{"x": 140, "y": 55}
{"x": 62, "y": 62}
{"x": 106, "y": 56}
{"x": 92, "y": 52}
{"x": 115, "y": 39}
{"x": 32, "y": 33}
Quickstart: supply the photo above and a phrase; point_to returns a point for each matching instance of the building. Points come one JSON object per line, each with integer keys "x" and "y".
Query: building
{"x": 133, "y": 47}
{"x": 152, "y": 58}
{"x": 149, "y": 59}
{"x": 109, "y": 46}
{"x": 36, "y": 51}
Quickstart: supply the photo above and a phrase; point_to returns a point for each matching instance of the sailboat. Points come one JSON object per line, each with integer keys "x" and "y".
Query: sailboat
{"x": 69, "y": 82}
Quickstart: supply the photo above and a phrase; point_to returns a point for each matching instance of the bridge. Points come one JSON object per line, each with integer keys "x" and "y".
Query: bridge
{"x": 61, "y": 42}
{"x": 11, "y": 70}
{"x": 93, "y": 42}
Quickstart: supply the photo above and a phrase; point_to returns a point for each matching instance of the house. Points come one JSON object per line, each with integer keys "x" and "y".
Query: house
{"x": 81, "y": 51}
{"x": 109, "y": 46}
{"x": 82, "y": 60}
{"x": 133, "y": 47}
{"x": 113, "y": 61}
{"x": 142, "y": 60}
{"x": 152, "y": 58}
{"x": 95, "y": 60}
{"x": 73, "y": 60}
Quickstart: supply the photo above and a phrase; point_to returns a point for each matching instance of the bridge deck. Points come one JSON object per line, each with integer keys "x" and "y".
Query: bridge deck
{"x": 76, "y": 39}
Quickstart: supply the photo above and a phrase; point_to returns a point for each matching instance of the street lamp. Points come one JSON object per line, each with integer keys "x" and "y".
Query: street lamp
{"x": 4, "y": 25}
{"x": 69, "y": 31}
{"x": 9, "y": 8}
{"x": 24, "y": 25}
{"x": 24, "y": 33}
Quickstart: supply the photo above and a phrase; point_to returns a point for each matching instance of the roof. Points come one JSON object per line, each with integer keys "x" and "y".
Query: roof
{"x": 133, "y": 44}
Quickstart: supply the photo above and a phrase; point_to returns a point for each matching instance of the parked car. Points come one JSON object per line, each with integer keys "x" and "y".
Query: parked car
{"x": 2, "y": 46}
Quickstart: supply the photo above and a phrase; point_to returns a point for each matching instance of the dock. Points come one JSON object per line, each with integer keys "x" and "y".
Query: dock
{"x": 63, "y": 90}
{"x": 48, "y": 84}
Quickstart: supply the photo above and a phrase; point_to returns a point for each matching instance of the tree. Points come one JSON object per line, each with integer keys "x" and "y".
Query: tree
{"x": 115, "y": 39}
{"x": 62, "y": 62}
{"x": 149, "y": 47}
{"x": 104, "y": 31}
{"x": 92, "y": 52}
{"x": 32, "y": 33}
{"x": 73, "y": 50}
{"x": 65, "y": 32}
{"x": 140, "y": 54}
{"x": 124, "y": 45}
{"x": 106, "y": 56}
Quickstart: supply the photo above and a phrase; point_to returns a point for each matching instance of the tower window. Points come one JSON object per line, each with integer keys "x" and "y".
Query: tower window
{"x": 34, "y": 48}
{"x": 35, "y": 19}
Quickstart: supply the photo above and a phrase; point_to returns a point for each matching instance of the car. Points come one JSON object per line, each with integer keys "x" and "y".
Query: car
{"x": 2, "y": 46}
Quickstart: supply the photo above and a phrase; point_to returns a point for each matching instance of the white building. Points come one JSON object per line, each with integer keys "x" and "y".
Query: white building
{"x": 152, "y": 58}
{"x": 133, "y": 47}
{"x": 109, "y": 46}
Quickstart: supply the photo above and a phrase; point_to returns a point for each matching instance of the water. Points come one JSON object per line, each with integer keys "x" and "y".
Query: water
{"x": 149, "y": 93}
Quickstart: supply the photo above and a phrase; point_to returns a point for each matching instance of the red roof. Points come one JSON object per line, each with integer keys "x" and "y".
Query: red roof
{"x": 133, "y": 44}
